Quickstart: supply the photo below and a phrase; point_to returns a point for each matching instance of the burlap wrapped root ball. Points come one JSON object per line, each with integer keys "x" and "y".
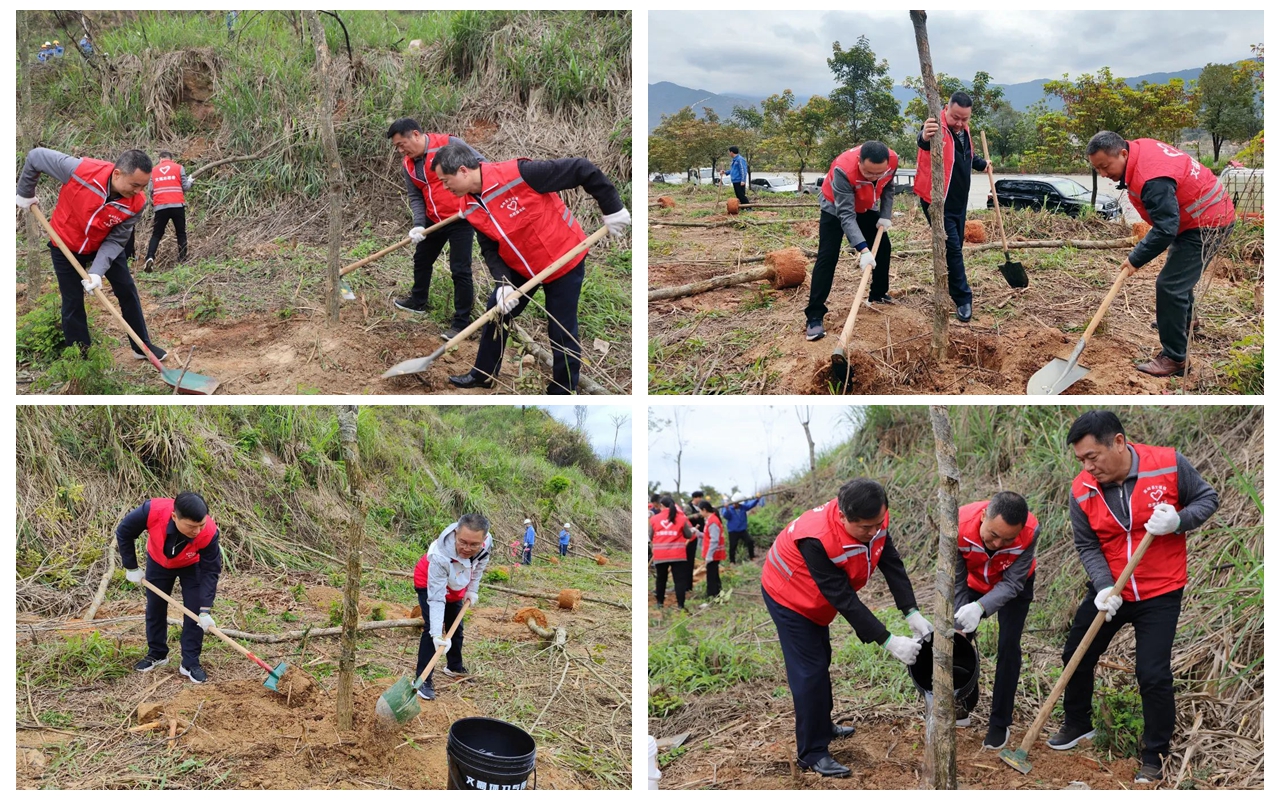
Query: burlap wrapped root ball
{"x": 733, "y": 206}
{"x": 570, "y": 599}
{"x": 666, "y": 202}
{"x": 790, "y": 267}
{"x": 529, "y": 612}
{"x": 975, "y": 232}
{"x": 1140, "y": 229}
{"x": 601, "y": 560}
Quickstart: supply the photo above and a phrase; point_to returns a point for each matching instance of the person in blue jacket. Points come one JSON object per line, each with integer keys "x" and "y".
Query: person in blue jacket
{"x": 735, "y": 520}
{"x": 526, "y": 556}
{"x": 738, "y": 176}
{"x": 564, "y": 540}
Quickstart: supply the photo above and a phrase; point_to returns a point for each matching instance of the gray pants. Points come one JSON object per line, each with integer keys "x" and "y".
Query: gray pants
{"x": 1175, "y": 286}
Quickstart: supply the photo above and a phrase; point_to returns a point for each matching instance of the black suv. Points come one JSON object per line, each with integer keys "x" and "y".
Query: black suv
{"x": 1051, "y": 193}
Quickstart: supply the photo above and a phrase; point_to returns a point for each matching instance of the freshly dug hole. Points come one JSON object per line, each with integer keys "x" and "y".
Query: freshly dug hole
{"x": 789, "y": 267}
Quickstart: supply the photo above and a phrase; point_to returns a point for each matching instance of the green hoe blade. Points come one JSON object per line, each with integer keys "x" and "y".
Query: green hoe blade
{"x": 1016, "y": 759}
{"x": 272, "y": 681}
{"x": 399, "y": 703}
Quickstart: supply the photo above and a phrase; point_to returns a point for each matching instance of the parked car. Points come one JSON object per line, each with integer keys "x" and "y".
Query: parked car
{"x": 1245, "y": 187}
{"x": 1052, "y": 193}
{"x": 777, "y": 185}
{"x": 813, "y": 188}
{"x": 904, "y": 178}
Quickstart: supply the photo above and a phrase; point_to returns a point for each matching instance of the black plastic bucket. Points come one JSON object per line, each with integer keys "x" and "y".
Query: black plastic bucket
{"x": 964, "y": 667}
{"x": 486, "y": 753}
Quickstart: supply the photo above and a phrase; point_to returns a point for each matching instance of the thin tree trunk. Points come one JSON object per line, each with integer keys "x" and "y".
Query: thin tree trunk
{"x": 347, "y": 416}
{"x": 939, "y": 201}
{"x": 940, "y": 729}
{"x": 333, "y": 161}
{"x": 35, "y": 275}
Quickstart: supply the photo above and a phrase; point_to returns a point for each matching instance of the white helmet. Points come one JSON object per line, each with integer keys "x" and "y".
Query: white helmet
{"x": 527, "y": 522}
{"x": 566, "y": 526}
{"x": 738, "y": 497}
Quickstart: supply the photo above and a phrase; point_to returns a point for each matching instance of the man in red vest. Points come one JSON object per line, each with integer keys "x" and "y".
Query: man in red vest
{"x": 1124, "y": 490}
{"x": 448, "y": 574}
{"x": 995, "y": 574}
{"x": 814, "y": 571}
{"x": 182, "y": 545}
{"x": 169, "y": 183}
{"x": 97, "y": 209}
{"x": 959, "y": 158}
{"x": 524, "y": 227}
{"x": 431, "y": 203}
{"x": 1190, "y": 213}
{"x": 856, "y": 199}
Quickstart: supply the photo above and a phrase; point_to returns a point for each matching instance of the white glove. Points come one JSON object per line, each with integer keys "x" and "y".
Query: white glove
{"x": 618, "y": 222}
{"x": 473, "y": 599}
{"x": 1110, "y": 604}
{"x": 1164, "y": 519}
{"x": 903, "y": 649}
{"x": 442, "y": 644}
{"x": 920, "y": 626}
{"x": 94, "y": 282}
{"x": 206, "y": 621}
{"x": 866, "y": 260}
{"x": 417, "y": 233}
{"x": 968, "y": 616}
{"x": 26, "y": 202}
{"x": 884, "y": 223}
{"x": 506, "y": 299}
{"x": 133, "y": 575}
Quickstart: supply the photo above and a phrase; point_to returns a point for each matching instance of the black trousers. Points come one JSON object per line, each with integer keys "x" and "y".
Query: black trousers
{"x": 561, "y": 300}
{"x": 459, "y": 236}
{"x": 427, "y": 647}
{"x": 75, "y": 323}
{"x": 740, "y": 189}
{"x": 681, "y": 577}
{"x": 745, "y": 538}
{"x": 158, "y": 609}
{"x": 564, "y": 550}
{"x": 957, "y": 281}
{"x": 830, "y": 240}
{"x": 1176, "y": 284}
{"x": 713, "y": 578}
{"x": 178, "y": 215}
{"x": 1155, "y": 622}
{"x": 806, "y": 651}
{"x": 1013, "y": 617}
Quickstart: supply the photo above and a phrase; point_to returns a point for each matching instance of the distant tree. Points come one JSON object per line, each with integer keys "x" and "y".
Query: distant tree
{"x": 862, "y": 106}
{"x": 795, "y": 134}
{"x": 1228, "y": 108}
{"x": 987, "y": 99}
{"x": 1011, "y": 132}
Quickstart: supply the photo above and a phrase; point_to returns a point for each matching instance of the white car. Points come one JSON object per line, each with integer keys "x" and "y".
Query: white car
{"x": 776, "y": 185}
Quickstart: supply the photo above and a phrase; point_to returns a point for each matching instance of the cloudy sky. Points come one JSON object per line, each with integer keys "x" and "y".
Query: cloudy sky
{"x": 599, "y": 427}
{"x": 727, "y": 445}
{"x": 760, "y": 53}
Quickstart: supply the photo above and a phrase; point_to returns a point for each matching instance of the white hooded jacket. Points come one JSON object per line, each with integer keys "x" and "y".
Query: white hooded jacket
{"x": 449, "y": 573}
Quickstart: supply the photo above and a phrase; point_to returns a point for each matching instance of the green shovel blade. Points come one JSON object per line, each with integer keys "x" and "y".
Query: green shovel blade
{"x": 399, "y": 703}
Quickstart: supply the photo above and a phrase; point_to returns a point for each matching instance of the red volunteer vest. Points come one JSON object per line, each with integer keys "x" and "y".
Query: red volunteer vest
{"x": 669, "y": 543}
{"x": 866, "y": 193}
{"x": 158, "y": 526}
{"x": 532, "y": 230}
{"x": 719, "y": 553}
{"x": 82, "y": 217}
{"x": 924, "y": 163}
{"x": 166, "y": 183}
{"x": 1164, "y": 567}
{"x": 984, "y": 571}
{"x": 441, "y": 203}
{"x": 1203, "y": 200}
{"x": 786, "y": 576}
{"x": 420, "y": 580}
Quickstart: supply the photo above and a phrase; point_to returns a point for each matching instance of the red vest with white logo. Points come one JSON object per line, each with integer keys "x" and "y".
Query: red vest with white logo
{"x": 719, "y": 553}
{"x": 669, "y": 543}
{"x": 166, "y": 183}
{"x": 1164, "y": 567}
{"x": 786, "y": 576}
{"x": 1203, "y": 200}
{"x": 924, "y": 163}
{"x": 441, "y": 203}
{"x": 532, "y": 230}
{"x": 82, "y": 216}
{"x": 158, "y": 526}
{"x": 986, "y": 571}
{"x": 866, "y": 193}
{"x": 420, "y": 580}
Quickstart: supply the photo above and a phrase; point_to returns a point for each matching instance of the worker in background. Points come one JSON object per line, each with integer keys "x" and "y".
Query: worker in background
{"x": 713, "y": 549}
{"x": 564, "y": 540}
{"x": 45, "y": 52}
{"x": 526, "y": 554}
{"x": 669, "y": 531}
{"x": 694, "y": 514}
{"x": 169, "y": 183}
{"x": 449, "y": 574}
{"x": 654, "y": 504}
{"x": 737, "y": 175}
{"x": 735, "y": 519}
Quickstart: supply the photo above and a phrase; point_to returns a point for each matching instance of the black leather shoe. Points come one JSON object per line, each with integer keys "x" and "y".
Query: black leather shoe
{"x": 964, "y": 312}
{"x": 827, "y": 767}
{"x": 469, "y": 381}
{"x": 841, "y": 731}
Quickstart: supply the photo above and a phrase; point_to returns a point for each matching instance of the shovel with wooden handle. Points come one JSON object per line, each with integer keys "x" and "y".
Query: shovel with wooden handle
{"x": 399, "y": 703}
{"x": 840, "y": 373}
{"x": 416, "y": 365}
{"x": 273, "y": 675}
{"x": 1014, "y": 273}
{"x": 184, "y": 381}
{"x": 348, "y": 293}
{"x": 1058, "y": 374}
{"x": 1018, "y": 758}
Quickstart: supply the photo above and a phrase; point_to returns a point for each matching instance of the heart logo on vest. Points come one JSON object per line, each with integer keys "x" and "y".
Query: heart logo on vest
{"x": 1155, "y": 493}
{"x": 512, "y": 205}
{"x": 165, "y": 169}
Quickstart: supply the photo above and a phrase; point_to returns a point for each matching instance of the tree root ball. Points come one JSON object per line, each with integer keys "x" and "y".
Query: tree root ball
{"x": 733, "y": 206}
{"x": 666, "y": 202}
{"x": 529, "y": 612}
{"x": 553, "y": 559}
{"x": 975, "y": 232}
{"x": 416, "y": 613}
{"x": 790, "y": 267}
{"x": 295, "y": 687}
{"x": 1140, "y": 229}
{"x": 570, "y": 599}
{"x": 601, "y": 560}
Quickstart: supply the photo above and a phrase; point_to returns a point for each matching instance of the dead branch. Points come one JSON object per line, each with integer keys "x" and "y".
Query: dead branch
{"x": 233, "y": 159}
{"x": 109, "y": 570}
{"x": 1079, "y": 244}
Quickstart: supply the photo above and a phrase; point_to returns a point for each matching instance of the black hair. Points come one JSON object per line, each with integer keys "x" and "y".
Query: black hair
{"x": 733, "y": 148}
{"x": 698, "y": 493}
{"x": 1010, "y": 507}
{"x": 671, "y": 507}
{"x": 962, "y": 99}
{"x": 450, "y": 158}
{"x": 165, "y": 154}
{"x": 875, "y": 152}
{"x": 403, "y": 126}
{"x": 862, "y": 498}
{"x": 653, "y": 498}
{"x": 705, "y": 506}
{"x": 130, "y": 161}
{"x": 192, "y": 506}
{"x": 1108, "y": 142}
{"x": 474, "y": 522}
{"x": 1101, "y": 425}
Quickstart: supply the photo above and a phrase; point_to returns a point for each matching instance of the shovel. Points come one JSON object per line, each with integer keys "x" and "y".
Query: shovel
{"x": 1018, "y": 758}
{"x": 273, "y": 675}
{"x": 399, "y": 703}
{"x": 839, "y": 362}
{"x": 1056, "y": 376}
{"x": 416, "y": 365}
{"x": 185, "y": 382}
{"x": 348, "y": 293}
{"x": 1013, "y": 273}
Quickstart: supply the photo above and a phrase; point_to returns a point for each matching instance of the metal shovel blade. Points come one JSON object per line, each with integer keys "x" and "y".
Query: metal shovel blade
{"x": 272, "y": 681}
{"x": 1016, "y": 759}
{"x": 1014, "y": 273}
{"x": 399, "y": 703}
{"x": 1055, "y": 377}
{"x": 347, "y": 292}
{"x": 414, "y": 365}
{"x": 191, "y": 383}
